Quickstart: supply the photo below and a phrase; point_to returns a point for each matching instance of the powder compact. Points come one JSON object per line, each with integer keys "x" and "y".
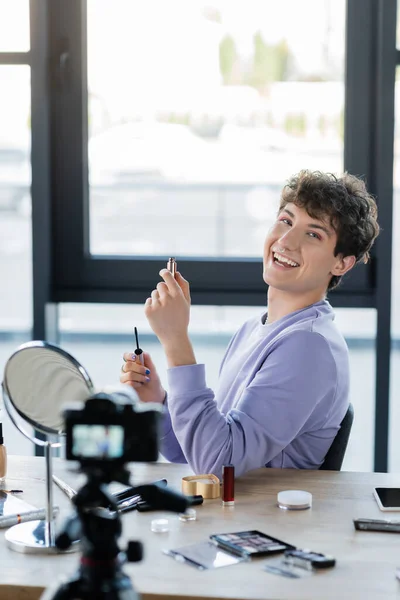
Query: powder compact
{"x": 207, "y": 485}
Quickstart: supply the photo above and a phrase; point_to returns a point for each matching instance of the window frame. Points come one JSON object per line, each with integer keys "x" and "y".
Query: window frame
{"x": 79, "y": 276}
{"x": 64, "y": 271}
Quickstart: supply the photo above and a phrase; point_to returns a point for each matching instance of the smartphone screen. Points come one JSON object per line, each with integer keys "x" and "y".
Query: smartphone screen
{"x": 389, "y": 497}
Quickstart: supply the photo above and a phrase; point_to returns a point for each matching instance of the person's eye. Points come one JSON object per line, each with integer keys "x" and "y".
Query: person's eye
{"x": 314, "y": 235}
{"x": 285, "y": 220}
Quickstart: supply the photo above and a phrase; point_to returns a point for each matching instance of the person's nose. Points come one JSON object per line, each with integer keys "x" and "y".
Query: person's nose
{"x": 290, "y": 239}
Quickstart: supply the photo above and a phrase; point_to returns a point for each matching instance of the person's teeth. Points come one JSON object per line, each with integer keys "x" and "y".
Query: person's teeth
{"x": 285, "y": 260}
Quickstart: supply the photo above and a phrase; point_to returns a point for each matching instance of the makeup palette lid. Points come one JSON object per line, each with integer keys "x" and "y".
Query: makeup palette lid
{"x": 294, "y": 499}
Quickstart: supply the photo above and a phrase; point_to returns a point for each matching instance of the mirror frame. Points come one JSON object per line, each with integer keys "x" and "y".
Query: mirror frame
{"x": 6, "y": 391}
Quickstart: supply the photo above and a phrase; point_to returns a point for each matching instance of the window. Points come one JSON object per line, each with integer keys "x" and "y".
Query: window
{"x": 15, "y": 224}
{"x": 241, "y": 100}
{"x": 14, "y": 26}
{"x": 182, "y": 149}
{"x": 394, "y": 446}
{"x": 191, "y": 141}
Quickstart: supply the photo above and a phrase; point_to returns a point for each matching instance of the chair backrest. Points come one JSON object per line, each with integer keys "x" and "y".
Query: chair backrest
{"x": 335, "y": 455}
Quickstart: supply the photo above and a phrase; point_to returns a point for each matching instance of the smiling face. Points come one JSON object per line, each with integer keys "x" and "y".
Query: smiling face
{"x": 299, "y": 254}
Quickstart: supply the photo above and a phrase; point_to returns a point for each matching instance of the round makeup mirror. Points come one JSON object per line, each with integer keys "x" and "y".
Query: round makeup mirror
{"x": 39, "y": 379}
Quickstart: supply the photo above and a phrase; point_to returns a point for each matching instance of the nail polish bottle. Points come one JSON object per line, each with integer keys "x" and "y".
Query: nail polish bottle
{"x": 3, "y": 456}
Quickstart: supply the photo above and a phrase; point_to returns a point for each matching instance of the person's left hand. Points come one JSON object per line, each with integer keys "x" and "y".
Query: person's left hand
{"x": 168, "y": 309}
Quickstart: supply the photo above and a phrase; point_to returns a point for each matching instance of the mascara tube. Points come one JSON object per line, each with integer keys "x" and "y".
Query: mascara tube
{"x": 228, "y": 494}
{"x": 139, "y": 354}
{"x": 138, "y": 351}
{"x": 171, "y": 266}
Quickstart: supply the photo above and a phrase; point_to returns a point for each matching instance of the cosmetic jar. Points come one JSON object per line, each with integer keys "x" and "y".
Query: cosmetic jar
{"x": 206, "y": 485}
{"x": 294, "y": 500}
{"x": 159, "y": 525}
{"x": 188, "y": 515}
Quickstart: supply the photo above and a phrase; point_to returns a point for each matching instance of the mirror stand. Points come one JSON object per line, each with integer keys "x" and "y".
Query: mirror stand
{"x": 38, "y": 379}
{"x": 37, "y": 537}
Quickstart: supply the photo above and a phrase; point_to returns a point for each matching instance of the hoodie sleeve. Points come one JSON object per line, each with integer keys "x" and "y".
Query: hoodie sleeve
{"x": 169, "y": 445}
{"x": 272, "y": 410}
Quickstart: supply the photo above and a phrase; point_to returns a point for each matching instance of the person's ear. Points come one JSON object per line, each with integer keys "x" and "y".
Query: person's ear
{"x": 343, "y": 264}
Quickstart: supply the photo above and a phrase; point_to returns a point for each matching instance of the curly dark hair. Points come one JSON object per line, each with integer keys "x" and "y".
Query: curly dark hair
{"x": 345, "y": 201}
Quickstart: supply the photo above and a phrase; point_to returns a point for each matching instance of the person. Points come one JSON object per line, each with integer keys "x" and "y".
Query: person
{"x": 283, "y": 386}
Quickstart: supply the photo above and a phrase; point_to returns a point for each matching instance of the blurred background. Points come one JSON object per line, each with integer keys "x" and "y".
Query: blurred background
{"x": 197, "y": 114}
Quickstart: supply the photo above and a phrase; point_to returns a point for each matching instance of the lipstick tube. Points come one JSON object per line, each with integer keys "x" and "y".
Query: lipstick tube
{"x": 228, "y": 494}
{"x": 171, "y": 266}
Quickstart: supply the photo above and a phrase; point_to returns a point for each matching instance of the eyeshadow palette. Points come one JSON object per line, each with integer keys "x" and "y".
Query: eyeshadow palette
{"x": 250, "y": 543}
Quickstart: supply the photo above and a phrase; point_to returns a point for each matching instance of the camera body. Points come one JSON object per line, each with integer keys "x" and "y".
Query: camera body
{"x": 111, "y": 429}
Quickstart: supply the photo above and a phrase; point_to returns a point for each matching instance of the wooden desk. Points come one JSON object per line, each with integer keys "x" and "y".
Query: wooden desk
{"x": 366, "y": 561}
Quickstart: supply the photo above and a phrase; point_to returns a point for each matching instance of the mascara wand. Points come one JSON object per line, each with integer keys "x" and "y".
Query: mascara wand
{"x": 138, "y": 351}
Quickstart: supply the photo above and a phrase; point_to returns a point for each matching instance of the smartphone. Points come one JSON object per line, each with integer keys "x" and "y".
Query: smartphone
{"x": 388, "y": 499}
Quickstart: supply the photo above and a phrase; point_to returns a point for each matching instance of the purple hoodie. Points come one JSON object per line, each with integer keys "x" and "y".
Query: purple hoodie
{"x": 282, "y": 393}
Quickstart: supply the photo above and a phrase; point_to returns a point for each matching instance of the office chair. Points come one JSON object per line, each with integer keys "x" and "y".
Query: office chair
{"x": 335, "y": 455}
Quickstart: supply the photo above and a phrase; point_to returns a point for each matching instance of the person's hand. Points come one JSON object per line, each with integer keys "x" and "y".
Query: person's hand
{"x": 168, "y": 309}
{"x": 144, "y": 379}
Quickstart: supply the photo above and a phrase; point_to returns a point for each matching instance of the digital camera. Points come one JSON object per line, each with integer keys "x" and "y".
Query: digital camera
{"x": 111, "y": 429}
